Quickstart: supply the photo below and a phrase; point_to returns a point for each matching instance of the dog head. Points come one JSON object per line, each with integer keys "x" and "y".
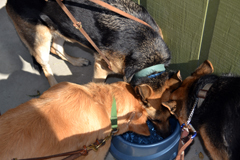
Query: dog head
{"x": 177, "y": 103}
{"x": 152, "y": 100}
{"x": 136, "y": 122}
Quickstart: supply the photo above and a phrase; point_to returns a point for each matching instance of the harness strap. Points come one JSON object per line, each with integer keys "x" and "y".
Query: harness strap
{"x": 181, "y": 152}
{"x": 203, "y": 93}
{"x": 185, "y": 140}
{"x": 116, "y": 10}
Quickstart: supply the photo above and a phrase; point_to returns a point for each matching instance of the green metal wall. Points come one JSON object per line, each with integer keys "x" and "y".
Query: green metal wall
{"x": 197, "y": 30}
{"x": 225, "y": 47}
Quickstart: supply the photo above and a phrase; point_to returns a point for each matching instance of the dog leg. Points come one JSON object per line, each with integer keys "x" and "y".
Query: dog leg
{"x": 37, "y": 39}
{"x": 41, "y": 51}
{"x": 57, "y": 48}
{"x": 216, "y": 153}
{"x": 101, "y": 71}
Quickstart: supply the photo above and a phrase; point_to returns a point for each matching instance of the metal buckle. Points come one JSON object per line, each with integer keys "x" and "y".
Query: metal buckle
{"x": 191, "y": 128}
{"x": 98, "y": 144}
{"x": 78, "y": 25}
{"x": 93, "y": 147}
{"x": 114, "y": 131}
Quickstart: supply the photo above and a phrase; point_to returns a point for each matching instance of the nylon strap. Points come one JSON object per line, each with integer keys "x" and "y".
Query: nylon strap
{"x": 185, "y": 140}
{"x": 114, "y": 9}
{"x": 114, "y": 115}
{"x": 149, "y": 70}
{"x": 203, "y": 93}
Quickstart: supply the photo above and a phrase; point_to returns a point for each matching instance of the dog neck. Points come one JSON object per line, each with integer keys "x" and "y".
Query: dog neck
{"x": 201, "y": 95}
{"x": 159, "y": 68}
{"x": 128, "y": 105}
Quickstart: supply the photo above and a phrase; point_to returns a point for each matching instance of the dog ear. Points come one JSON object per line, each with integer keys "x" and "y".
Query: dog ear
{"x": 171, "y": 106}
{"x": 175, "y": 81}
{"x": 144, "y": 91}
{"x": 205, "y": 68}
{"x": 138, "y": 124}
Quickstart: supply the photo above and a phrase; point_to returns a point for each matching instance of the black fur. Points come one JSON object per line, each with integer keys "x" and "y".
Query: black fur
{"x": 140, "y": 45}
{"x": 36, "y": 65}
{"x": 219, "y": 112}
{"x": 155, "y": 82}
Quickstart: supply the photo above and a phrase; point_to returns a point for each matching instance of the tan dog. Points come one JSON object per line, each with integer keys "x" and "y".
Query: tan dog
{"x": 159, "y": 114}
{"x": 68, "y": 116}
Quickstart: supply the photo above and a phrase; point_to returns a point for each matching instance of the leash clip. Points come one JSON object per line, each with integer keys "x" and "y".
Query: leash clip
{"x": 187, "y": 128}
{"x": 93, "y": 147}
{"x": 114, "y": 131}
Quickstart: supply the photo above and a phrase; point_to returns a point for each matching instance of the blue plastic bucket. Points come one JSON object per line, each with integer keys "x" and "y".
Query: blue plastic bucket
{"x": 163, "y": 150}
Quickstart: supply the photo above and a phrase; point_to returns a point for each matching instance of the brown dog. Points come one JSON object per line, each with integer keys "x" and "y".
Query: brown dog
{"x": 68, "y": 116}
{"x": 180, "y": 96}
{"x": 216, "y": 116}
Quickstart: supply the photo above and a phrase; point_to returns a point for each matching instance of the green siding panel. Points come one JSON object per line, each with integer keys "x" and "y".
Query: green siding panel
{"x": 181, "y": 22}
{"x": 208, "y": 29}
{"x": 197, "y": 30}
{"x": 225, "y": 46}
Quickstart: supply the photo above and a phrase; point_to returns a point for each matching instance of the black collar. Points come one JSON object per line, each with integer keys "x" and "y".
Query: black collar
{"x": 199, "y": 100}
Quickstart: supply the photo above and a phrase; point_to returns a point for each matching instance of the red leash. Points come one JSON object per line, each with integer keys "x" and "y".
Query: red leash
{"x": 186, "y": 139}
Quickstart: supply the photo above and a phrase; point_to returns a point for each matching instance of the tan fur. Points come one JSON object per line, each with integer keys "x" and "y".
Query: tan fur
{"x": 57, "y": 48}
{"x": 178, "y": 104}
{"x": 101, "y": 69}
{"x": 39, "y": 46}
{"x": 158, "y": 114}
{"x": 68, "y": 116}
{"x": 179, "y": 97}
{"x": 216, "y": 153}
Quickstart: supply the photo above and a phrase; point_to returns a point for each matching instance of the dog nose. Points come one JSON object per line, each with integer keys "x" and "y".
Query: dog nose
{"x": 165, "y": 132}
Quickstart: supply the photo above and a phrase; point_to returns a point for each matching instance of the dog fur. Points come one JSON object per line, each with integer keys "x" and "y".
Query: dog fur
{"x": 68, "y": 116}
{"x": 217, "y": 119}
{"x": 130, "y": 46}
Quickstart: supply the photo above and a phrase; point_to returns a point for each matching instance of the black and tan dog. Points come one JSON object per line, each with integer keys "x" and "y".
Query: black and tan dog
{"x": 217, "y": 112}
{"x": 129, "y": 45}
{"x": 68, "y": 116}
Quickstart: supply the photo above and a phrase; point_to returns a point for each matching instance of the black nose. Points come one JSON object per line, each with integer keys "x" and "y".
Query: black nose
{"x": 165, "y": 132}
{"x": 165, "y": 135}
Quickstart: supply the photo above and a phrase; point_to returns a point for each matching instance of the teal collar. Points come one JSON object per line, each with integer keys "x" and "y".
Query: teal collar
{"x": 149, "y": 70}
{"x": 114, "y": 115}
